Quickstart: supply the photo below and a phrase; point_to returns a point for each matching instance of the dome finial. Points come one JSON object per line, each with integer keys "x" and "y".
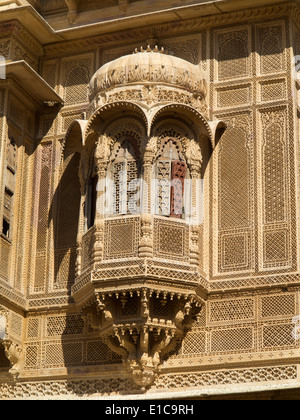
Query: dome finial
{"x": 152, "y": 46}
{"x": 150, "y": 49}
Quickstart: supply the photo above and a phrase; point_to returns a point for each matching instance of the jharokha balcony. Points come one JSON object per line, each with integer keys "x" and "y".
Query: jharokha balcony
{"x": 143, "y": 152}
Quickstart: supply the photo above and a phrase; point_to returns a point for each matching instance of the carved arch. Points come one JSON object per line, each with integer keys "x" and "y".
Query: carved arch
{"x": 74, "y": 135}
{"x": 185, "y": 139}
{"x": 114, "y": 111}
{"x": 192, "y": 117}
{"x": 101, "y": 136}
{"x": 126, "y": 126}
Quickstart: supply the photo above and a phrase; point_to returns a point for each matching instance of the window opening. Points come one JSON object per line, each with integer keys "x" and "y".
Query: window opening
{"x": 124, "y": 171}
{"x": 171, "y": 172}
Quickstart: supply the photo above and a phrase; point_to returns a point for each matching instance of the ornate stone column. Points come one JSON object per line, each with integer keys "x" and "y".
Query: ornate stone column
{"x": 81, "y": 222}
{"x": 194, "y": 228}
{"x": 101, "y": 158}
{"x": 146, "y": 241}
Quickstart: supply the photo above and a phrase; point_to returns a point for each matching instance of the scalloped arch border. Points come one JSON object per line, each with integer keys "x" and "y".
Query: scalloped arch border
{"x": 211, "y": 127}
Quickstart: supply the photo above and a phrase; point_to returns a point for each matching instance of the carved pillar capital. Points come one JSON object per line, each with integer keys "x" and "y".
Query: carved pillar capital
{"x": 195, "y": 168}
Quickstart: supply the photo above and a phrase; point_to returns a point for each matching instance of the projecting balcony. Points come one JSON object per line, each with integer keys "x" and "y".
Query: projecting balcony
{"x": 139, "y": 250}
{"x": 139, "y": 286}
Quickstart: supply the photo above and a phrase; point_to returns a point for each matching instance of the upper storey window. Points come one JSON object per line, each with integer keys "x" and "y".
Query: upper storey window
{"x": 124, "y": 178}
{"x": 170, "y": 174}
{"x": 10, "y": 180}
{"x": 125, "y": 188}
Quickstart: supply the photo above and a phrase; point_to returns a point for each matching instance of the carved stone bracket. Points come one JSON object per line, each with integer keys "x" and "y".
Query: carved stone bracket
{"x": 12, "y": 350}
{"x": 72, "y": 9}
{"x": 143, "y": 326}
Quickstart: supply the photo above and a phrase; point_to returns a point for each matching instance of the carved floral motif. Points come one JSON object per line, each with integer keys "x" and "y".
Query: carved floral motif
{"x": 150, "y": 77}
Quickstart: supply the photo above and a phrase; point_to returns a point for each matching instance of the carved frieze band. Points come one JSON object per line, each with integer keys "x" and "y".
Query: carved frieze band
{"x": 117, "y": 385}
{"x": 177, "y": 27}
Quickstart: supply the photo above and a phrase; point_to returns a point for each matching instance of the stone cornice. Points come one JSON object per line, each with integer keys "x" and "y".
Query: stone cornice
{"x": 10, "y": 298}
{"x": 284, "y": 280}
{"x": 15, "y": 29}
{"x": 32, "y": 21}
{"x": 36, "y": 31}
{"x": 140, "y": 12}
{"x": 215, "y": 289}
{"x": 77, "y": 40}
{"x": 39, "y": 89}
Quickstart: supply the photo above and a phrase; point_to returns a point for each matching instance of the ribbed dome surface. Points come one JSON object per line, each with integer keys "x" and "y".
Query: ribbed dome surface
{"x": 149, "y": 68}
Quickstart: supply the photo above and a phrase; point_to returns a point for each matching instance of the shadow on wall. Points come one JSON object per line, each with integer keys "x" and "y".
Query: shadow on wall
{"x": 64, "y": 211}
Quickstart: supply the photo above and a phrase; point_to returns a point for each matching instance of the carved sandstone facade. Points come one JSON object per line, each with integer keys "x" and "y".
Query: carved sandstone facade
{"x": 149, "y": 200}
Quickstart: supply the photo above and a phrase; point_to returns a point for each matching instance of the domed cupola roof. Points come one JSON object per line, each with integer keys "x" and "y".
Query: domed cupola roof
{"x": 148, "y": 68}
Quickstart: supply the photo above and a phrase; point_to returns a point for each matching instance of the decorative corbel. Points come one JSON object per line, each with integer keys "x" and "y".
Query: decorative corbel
{"x": 105, "y": 308}
{"x": 13, "y": 351}
{"x": 127, "y": 341}
{"x": 142, "y": 342}
{"x": 195, "y": 158}
{"x": 163, "y": 345}
{"x": 114, "y": 345}
{"x": 102, "y": 151}
{"x": 72, "y": 9}
{"x": 145, "y": 304}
